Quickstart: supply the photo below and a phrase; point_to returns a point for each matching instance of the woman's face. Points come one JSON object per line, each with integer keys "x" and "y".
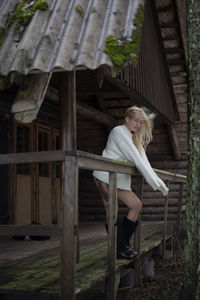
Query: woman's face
{"x": 133, "y": 124}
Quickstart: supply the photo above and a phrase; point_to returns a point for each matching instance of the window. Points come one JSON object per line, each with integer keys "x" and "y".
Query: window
{"x": 43, "y": 144}
{"x": 23, "y": 144}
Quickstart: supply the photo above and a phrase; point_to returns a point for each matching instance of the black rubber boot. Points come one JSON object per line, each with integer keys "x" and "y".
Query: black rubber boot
{"x": 123, "y": 251}
{"x": 128, "y": 227}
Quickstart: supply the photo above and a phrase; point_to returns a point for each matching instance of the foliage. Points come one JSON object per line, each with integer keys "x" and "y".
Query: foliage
{"x": 122, "y": 53}
{"x": 24, "y": 12}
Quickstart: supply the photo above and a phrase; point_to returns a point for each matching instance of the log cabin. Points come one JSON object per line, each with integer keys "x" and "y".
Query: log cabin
{"x": 71, "y": 85}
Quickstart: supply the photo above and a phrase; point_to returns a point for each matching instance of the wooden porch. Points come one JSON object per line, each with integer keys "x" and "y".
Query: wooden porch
{"x": 31, "y": 269}
{"x": 96, "y": 262}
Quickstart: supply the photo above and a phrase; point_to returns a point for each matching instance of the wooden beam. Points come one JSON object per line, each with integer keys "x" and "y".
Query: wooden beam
{"x": 174, "y": 142}
{"x": 31, "y": 157}
{"x": 91, "y": 113}
{"x": 137, "y": 235}
{"x": 112, "y": 219}
{"x": 87, "y": 111}
{"x": 30, "y": 97}
{"x": 67, "y": 99}
{"x": 165, "y": 226}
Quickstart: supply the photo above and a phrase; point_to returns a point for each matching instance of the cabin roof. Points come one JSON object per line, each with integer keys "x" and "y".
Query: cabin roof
{"x": 66, "y": 36}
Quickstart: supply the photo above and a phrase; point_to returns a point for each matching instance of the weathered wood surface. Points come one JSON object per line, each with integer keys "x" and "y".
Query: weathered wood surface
{"x": 29, "y": 157}
{"x": 40, "y": 274}
{"x": 67, "y": 97}
{"x": 112, "y": 219}
{"x": 137, "y": 235}
{"x": 30, "y": 97}
{"x": 85, "y": 161}
{"x": 165, "y": 224}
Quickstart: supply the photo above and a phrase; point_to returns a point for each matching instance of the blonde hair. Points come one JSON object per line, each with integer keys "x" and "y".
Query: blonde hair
{"x": 144, "y": 135}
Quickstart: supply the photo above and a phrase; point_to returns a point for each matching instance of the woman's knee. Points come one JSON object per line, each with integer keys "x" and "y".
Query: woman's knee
{"x": 136, "y": 205}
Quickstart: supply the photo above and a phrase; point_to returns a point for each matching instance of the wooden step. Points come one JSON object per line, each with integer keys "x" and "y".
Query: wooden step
{"x": 171, "y": 37}
{"x": 169, "y": 25}
{"x": 173, "y": 50}
{"x": 176, "y": 62}
{"x": 164, "y": 8}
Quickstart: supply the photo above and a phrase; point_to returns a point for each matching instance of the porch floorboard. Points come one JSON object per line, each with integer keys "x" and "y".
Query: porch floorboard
{"x": 35, "y": 268}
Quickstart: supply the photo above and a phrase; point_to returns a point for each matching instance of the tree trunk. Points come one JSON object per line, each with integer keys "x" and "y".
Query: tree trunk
{"x": 192, "y": 248}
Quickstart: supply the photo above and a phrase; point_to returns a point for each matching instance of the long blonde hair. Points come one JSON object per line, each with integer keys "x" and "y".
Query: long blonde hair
{"x": 144, "y": 135}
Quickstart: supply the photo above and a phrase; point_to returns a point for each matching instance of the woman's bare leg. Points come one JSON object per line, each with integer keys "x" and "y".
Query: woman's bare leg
{"x": 127, "y": 197}
{"x": 132, "y": 201}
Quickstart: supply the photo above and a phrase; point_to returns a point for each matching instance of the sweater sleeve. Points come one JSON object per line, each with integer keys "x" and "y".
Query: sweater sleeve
{"x": 125, "y": 145}
{"x": 163, "y": 188}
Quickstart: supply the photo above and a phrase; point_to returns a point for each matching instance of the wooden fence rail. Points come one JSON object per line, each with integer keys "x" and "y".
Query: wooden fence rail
{"x": 72, "y": 161}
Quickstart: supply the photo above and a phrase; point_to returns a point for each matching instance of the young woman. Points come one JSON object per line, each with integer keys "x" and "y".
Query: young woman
{"x": 128, "y": 143}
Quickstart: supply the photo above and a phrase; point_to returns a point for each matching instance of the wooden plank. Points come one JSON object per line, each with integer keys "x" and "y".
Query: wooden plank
{"x": 105, "y": 165}
{"x": 112, "y": 219}
{"x": 67, "y": 98}
{"x": 41, "y": 274}
{"x": 30, "y": 157}
{"x": 68, "y": 245}
{"x": 86, "y": 161}
{"x": 137, "y": 235}
{"x": 165, "y": 225}
{"x": 169, "y": 25}
{"x": 35, "y": 229}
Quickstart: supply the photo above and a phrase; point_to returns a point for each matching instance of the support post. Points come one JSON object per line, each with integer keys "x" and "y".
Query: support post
{"x": 112, "y": 218}
{"x": 67, "y": 98}
{"x": 165, "y": 225}
{"x": 137, "y": 236}
{"x": 68, "y": 244}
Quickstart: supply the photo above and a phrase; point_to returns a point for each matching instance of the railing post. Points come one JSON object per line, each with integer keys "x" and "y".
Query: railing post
{"x": 68, "y": 244}
{"x": 178, "y": 216}
{"x": 165, "y": 224}
{"x": 137, "y": 235}
{"x": 112, "y": 218}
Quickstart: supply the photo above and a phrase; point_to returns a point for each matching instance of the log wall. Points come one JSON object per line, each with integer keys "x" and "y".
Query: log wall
{"x": 92, "y": 138}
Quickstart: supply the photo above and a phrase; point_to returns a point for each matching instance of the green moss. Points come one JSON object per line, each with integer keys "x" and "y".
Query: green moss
{"x": 93, "y": 11}
{"x": 123, "y": 53}
{"x": 24, "y": 12}
{"x": 79, "y": 9}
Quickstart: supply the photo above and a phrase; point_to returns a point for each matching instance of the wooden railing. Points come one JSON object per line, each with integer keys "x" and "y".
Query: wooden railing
{"x": 72, "y": 161}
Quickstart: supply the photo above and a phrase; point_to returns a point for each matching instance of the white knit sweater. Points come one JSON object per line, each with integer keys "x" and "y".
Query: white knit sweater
{"x": 120, "y": 147}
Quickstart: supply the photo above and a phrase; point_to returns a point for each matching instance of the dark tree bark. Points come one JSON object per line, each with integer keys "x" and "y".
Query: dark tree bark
{"x": 192, "y": 248}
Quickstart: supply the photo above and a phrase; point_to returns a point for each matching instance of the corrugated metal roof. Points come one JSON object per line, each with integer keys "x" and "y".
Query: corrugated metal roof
{"x": 70, "y": 34}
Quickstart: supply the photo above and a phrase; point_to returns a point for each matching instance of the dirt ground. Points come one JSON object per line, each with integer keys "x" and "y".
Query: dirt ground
{"x": 167, "y": 284}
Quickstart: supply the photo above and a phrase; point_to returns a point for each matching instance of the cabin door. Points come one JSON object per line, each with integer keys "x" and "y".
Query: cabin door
{"x": 23, "y": 176}
{"x": 43, "y": 178}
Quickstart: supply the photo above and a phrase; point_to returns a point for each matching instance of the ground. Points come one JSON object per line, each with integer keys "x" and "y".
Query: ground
{"x": 167, "y": 284}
